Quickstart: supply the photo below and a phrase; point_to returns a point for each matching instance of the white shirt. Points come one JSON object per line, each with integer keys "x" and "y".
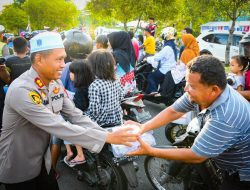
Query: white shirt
{"x": 166, "y": 58}
{"x": 179, "y": 72}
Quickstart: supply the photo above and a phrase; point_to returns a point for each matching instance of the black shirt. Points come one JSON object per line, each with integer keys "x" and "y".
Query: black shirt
{"x": 17, "y": 66}
{"x": 81, "y": 99}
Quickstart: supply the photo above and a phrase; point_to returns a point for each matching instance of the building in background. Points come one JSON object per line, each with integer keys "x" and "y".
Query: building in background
{"x": 241, "y": 26}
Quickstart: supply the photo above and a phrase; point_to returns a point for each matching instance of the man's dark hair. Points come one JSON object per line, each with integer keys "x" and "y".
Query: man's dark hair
{"x": 211, "y": 70}
{"x": 151, "y": 18}
{"x": 102, "y": 64}
{"x": 20, "y": 45}
{"x": 188, "y": 30}
{"x": 43, "y": 53}
{"x": 83, "y": 75}
{"x": 205, "y": 52}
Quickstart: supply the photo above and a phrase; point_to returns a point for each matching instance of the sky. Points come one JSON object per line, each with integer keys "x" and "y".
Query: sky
{"x": 79, "y": 3}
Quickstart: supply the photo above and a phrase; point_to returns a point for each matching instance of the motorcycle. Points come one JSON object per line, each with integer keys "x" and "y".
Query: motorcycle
{"x": 106, "y": 172}
{"x": 166, "y": 174}
{"x": 176, "y": 128}
{"x": 133, "y": 109}
{"x": 142, "y": 71}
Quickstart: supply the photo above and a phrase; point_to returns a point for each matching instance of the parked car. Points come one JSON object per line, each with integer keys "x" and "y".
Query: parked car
{"x": 216, "y": 41}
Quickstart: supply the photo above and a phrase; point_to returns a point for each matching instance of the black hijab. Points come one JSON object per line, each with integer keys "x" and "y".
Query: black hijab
{"x": 123, "y": 49}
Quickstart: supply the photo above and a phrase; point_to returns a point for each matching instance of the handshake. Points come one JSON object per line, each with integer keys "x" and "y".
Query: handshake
{"x": 121, "y": 150}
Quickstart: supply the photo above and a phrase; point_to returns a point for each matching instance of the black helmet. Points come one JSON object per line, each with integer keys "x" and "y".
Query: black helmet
{"x": 77, "y": 44}
{"x": 245, "y": 45}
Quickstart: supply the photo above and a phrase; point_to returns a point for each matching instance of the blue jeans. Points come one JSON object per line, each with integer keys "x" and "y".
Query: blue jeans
{"x": 154, "y": 79}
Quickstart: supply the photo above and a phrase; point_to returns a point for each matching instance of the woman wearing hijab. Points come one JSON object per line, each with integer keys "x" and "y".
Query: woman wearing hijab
{"x": 163, "y": 61}
{"x": 125, "y": 58}
{"x": 177, "y": 74}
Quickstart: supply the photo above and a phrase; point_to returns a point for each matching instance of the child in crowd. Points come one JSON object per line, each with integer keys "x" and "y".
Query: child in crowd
{"x": 236, "y": 76}
{"x": 82, "y": 77}
{"x": 102, "y": 42}
{"x": 105, "y": 92}
{"x": 141, "y": 41}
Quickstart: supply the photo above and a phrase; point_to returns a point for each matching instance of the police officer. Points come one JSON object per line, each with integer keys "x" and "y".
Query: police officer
{"x": 77, "y": 46}
{"x": 245, "y": 51}
{"x": 34, "y": 105}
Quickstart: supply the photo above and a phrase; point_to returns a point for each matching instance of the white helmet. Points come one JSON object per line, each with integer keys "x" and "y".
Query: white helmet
{"x": 193, "y": 127}
{"x": 168, "y": 33}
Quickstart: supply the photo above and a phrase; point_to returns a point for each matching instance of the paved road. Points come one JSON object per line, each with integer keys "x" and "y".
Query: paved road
{"x": 68, "y": 179}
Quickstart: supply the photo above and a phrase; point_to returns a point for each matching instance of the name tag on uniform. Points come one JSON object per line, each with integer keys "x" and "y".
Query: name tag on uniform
{"x": 57, "y": 102}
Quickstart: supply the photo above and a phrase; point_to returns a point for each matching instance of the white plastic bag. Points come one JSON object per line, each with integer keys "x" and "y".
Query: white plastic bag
{"x": 121, "y": 150}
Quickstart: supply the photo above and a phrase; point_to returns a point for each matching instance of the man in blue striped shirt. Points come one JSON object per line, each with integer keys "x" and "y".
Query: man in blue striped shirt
{"x": 225, "y": 135}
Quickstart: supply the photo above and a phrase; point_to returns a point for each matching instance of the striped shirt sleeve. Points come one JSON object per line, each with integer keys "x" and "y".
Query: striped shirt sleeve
{"x": 183, "y": 104}
{"x": 215, "y": 137}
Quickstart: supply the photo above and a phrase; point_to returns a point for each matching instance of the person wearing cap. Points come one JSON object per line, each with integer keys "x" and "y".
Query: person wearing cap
{"x": 152, "y": 26}
{"x": 34, "y": 106}
{"x": 4, "y": 49}
{"x": 77, "y": 46}
{"x": 148, "y": 45}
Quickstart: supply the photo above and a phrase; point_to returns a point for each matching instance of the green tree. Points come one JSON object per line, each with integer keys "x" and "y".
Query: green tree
{"x": 194, "y": 13}
{"x": 56, "y": 13}
{"x": 14, "y": 18}
{"x": 231, "y": 10}
{"x": 19, "y": 2}
{"x": 125, "y": 11}
{"x": 201, "y": 11}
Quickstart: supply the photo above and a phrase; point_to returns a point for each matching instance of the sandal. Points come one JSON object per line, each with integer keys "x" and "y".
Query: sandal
{"x": 73, "y": 162}
{"x": 76, "y": 162}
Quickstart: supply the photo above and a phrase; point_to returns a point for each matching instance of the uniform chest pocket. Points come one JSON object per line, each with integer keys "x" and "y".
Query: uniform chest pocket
{"x": 57, "y": 102}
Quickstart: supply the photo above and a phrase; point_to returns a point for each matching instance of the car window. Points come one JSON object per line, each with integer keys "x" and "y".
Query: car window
{"x": 220, "y": 39}
{"x": 208, "y": 38}
{"x": 236, "y": 40}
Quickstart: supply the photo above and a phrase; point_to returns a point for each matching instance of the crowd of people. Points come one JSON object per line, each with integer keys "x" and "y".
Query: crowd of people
{"x": 49, "y": 102}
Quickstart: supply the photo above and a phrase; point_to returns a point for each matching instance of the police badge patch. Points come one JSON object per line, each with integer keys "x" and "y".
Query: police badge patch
{"x": 35, "y": 97}
{"x": 39, "y": 82}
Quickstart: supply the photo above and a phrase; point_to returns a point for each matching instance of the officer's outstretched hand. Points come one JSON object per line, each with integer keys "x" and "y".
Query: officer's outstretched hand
{"x": 125, "y": 135}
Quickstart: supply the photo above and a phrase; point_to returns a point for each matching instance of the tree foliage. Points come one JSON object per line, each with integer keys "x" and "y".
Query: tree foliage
{"x": 125, "y": 11}
{"x": 14, "y": 18}
{"x": 231, "y": 10}
{"x": 40, "y": 13}
{"x": 56, "y": 13}
{"x": 194, "y": 13}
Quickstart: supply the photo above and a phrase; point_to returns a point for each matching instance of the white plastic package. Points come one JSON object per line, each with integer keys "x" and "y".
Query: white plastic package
{"x": 121, "y": 150}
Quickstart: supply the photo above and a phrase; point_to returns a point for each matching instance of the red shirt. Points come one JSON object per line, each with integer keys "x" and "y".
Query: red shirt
{"x": 152, "y": 28}
{"x": 247, "y": 79}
